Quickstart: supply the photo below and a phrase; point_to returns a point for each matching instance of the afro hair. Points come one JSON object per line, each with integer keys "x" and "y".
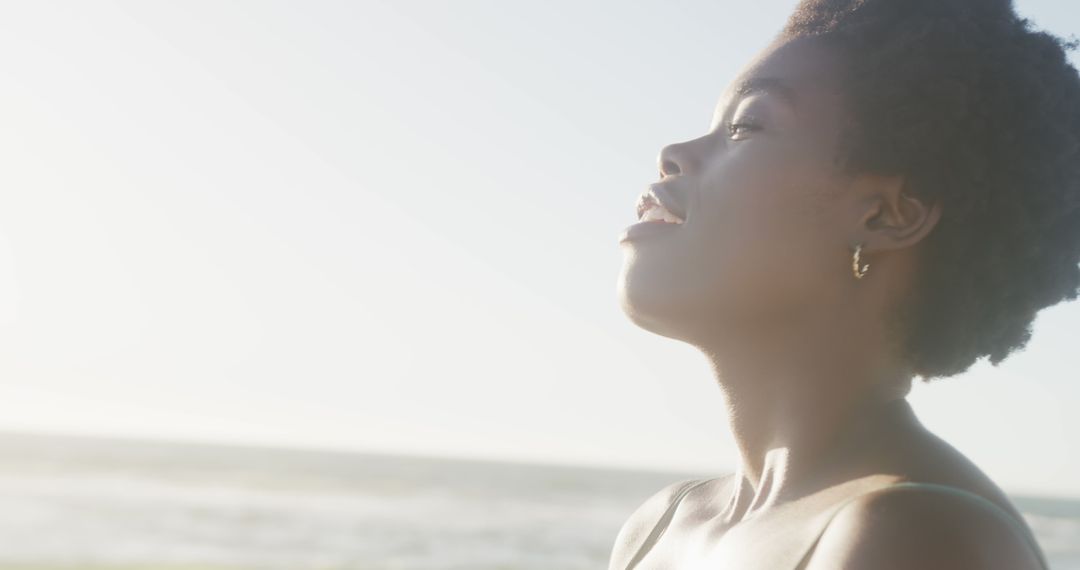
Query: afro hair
{"x": 980, "y": 113}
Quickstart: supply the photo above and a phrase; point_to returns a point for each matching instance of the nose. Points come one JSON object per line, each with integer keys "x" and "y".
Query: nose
{"x": 675, "y": 159}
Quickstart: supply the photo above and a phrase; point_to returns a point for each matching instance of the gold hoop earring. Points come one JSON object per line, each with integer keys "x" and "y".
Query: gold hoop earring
{"x": 859, "y": 272}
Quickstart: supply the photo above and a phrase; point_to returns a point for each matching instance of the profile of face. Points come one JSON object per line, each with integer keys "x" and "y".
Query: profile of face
{"x": 768, "y": 223}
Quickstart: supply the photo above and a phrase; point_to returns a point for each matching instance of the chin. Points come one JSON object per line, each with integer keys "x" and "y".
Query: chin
{"x": 647, "y": 302}
{"x": 667, "y": 300}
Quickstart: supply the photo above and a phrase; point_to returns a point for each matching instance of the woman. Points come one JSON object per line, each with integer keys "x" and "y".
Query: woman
{"x": 891, "y": 189}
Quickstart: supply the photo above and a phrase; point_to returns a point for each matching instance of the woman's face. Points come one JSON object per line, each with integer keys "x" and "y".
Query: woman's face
{"x": 767, "y": 226}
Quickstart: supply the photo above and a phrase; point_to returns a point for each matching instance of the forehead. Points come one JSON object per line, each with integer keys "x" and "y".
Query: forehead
{"x": 804, "y": 73}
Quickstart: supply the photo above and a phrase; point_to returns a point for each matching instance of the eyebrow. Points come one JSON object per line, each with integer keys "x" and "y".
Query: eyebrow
{"x": 765, "y": 84}
{"x": 759, "y": 85}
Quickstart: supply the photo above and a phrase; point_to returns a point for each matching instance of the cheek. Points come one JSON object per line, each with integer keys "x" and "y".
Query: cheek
{"x": 757, "y": 234}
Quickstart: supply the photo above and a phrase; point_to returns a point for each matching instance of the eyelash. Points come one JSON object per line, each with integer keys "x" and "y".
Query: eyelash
{"x": 730, "y": 127}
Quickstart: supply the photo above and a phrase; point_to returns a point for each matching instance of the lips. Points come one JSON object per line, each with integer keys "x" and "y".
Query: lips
{"x": 657, "y": 205}
{"x": 655, "y": 212}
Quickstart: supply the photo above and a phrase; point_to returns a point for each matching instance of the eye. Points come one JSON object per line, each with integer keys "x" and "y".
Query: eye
{"x": 737, "y": 129}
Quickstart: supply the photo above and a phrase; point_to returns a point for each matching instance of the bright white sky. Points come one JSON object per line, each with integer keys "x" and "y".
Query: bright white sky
{"x": 391, "y": 226}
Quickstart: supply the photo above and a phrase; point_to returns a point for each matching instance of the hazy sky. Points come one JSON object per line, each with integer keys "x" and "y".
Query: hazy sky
{"x": 392, "y": 226}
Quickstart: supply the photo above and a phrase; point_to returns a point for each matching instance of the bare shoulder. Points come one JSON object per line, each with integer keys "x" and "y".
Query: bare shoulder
{"x": 635, "y": 530}
{"x": 925, "y": 527}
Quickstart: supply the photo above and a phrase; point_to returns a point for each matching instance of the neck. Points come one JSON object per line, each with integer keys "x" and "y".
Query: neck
{"x": 803, "y": 405}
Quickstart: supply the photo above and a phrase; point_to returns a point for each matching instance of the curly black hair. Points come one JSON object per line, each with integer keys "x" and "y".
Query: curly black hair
{"x": 980, "y": 113}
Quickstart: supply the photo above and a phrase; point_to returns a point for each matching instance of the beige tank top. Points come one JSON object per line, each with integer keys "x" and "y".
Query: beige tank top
{"x": 800, "y": 557}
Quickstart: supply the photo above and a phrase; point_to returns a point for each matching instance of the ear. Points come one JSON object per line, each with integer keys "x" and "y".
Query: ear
{"x": 890, "y": 217}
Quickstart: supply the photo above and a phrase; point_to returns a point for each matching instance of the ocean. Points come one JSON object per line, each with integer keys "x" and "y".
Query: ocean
{"x": 95, "y": 503}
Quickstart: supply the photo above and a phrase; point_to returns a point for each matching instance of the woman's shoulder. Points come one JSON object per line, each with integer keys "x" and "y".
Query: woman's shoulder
{"x": 941, "y": 511}
{"x": 648, "y": 519}
{"x": 926, "y": 525}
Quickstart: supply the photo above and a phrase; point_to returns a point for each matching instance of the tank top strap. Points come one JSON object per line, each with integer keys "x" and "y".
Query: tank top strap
{"x": 665, "y": 519}
{"x": 995, "y": 508}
